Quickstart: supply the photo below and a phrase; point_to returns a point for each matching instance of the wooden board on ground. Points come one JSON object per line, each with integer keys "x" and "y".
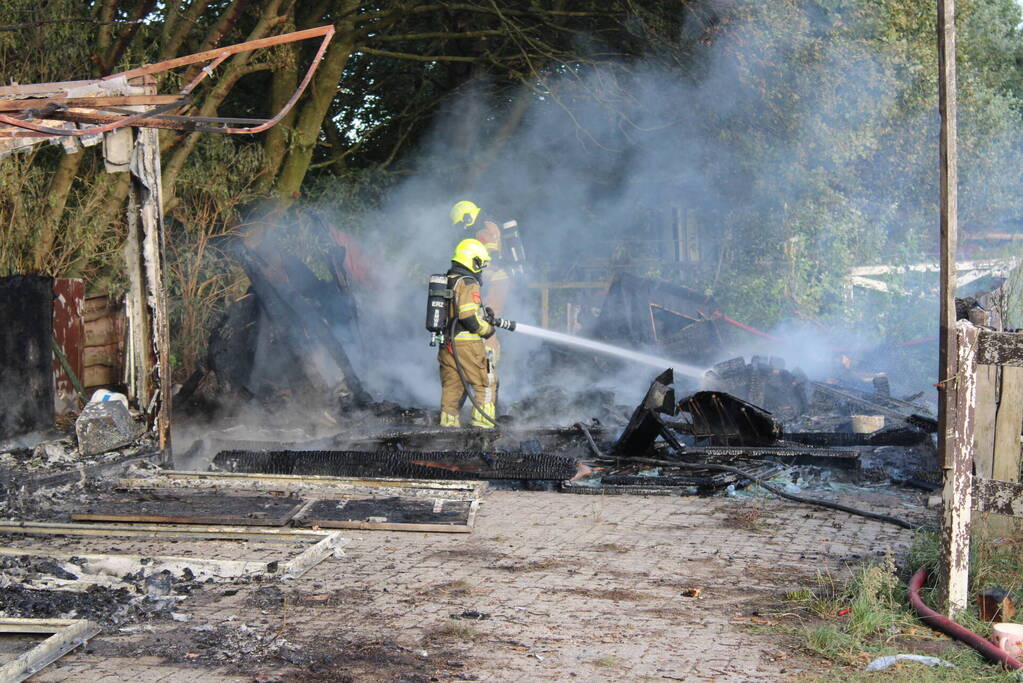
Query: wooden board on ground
{"x": 392, "y": 514}
{"x": 206, "y": 508}
{"x": 314, "y": 486}
{"x": 67, "y": 635}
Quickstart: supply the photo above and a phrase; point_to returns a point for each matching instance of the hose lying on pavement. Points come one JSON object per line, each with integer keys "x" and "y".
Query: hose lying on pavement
{"x": 951, "y": 628}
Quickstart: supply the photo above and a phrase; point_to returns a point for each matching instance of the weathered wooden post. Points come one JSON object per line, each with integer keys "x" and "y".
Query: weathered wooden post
{"x": 149, "y": 380}
{"x": 956, "y": 521}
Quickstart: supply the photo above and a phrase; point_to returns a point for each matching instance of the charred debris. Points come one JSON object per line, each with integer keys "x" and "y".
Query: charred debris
{"x": 337, "y": 459}
{"x": 752, "y": 415}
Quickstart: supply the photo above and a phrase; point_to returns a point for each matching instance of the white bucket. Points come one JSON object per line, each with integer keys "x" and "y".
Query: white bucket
{"x": 1009, "y": 637}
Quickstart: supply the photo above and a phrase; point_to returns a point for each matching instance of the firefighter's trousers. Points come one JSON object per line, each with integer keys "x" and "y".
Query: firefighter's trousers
{"x": 479, "y": 373}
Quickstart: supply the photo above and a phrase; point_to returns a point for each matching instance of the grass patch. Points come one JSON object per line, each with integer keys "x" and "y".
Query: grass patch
{"x": 750, "y": 518}
{"x": 869, "y": 616}
{"x": 453, "y": 630}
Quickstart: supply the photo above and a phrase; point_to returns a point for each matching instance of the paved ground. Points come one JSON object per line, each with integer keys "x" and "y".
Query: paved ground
{"x": 566, "y": 586}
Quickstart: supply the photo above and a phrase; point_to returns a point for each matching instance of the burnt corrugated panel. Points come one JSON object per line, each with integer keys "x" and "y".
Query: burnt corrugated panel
{"x": 406, "y": 464}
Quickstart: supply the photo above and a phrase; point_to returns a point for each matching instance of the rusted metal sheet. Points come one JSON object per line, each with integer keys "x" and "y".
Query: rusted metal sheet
{"x": 957, "y": 493}
{"x": 69, "y": 333}
{"x": 31, "y": 127}
{"x": 1000, "y": 348}
{"x": 1001, "y": 497}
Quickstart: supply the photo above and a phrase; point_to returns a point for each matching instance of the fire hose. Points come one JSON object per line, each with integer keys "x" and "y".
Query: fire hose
{"x": 951, "y": 628}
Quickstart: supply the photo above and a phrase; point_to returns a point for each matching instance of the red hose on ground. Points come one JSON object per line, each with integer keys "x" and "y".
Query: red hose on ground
{"x": 949, "y": 627}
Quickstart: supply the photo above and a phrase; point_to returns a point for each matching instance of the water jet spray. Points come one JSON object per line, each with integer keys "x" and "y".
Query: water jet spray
{"x": 609, "y": 350}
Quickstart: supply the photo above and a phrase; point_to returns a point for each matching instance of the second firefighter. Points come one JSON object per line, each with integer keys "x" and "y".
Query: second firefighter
{"x": 472, "y": 323}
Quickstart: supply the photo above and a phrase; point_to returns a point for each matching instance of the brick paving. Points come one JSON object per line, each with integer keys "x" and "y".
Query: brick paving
{"x": 576, "y": 588}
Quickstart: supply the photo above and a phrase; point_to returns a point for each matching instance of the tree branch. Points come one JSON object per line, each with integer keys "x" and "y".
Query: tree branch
{"x": 417, "y": 58}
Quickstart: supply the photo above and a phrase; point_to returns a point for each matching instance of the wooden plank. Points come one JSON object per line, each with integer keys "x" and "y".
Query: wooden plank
{"x": 49, "y": 89}
{"x": 454, "y": 485}
{"x": 1008, "y": 425}
{"x": 48, "y": 651}
{"x": 108, "y": 355}
{"x": 197, "y": 509}
{"x": 89, "y": 102}
{"x": 1000, "y": 348}
{"x": 331, "y": 546}
{"x": 99, "y": 376}
{"x": 120, "y": 565}
{"x": 101, "y": 332}
{"x": 391, "y": 514}
{"x": 957, "y": 492}
{"x": 984, "y": 416}
{"x": 1001, "y": 497}
{"x": 195, "y": 531}
{"x": 21, "y": 625}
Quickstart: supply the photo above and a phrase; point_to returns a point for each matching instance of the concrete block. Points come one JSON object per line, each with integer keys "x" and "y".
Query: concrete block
{"x": 105, "y": 426}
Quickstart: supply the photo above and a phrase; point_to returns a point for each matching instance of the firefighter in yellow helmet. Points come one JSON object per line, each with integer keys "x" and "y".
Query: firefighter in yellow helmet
{"x": 473, "y": 221}
{"x": 467, "y": 216}
{"x": 472, "y": 324}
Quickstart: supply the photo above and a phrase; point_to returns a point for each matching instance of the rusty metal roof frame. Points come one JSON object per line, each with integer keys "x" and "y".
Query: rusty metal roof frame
{"x": 106, "y": 111}
{"x": 30, "y": 114}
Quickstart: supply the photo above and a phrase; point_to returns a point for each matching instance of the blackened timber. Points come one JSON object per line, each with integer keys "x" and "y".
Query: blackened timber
{"x": 874, "y": 402}
{"x": 800, "y": 456}
{"x": 305, "y": 328}
{"x": 896, "y": 436}
{"x": 406, "y": 464}
{"x": 730, "y": 421}
{"x": 644, "y": 425}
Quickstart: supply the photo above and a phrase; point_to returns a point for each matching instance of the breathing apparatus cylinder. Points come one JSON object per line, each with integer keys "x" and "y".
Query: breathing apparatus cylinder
{"x": 513, "y": 253}
{"x": 437, "y": 298}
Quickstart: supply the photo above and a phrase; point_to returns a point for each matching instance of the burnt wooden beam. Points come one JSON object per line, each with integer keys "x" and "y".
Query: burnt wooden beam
{"x": 1001, "y": 497}
{"x": 1000, "y": 348}
{"x": 149, "y": 380}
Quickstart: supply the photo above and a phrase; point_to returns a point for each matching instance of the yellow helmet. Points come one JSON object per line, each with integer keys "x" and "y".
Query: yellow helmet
{"x": 465, "y": 213}
{"x": 471, "y": 254}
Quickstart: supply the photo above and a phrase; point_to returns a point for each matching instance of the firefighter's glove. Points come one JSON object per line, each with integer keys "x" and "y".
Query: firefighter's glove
{"x": 488, "y": 315}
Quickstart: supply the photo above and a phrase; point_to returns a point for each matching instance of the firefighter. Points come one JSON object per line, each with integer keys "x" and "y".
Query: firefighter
{"x": 472, "y": 325}
{"x": 469, "y": 217}
{"x": 466, "y": 215}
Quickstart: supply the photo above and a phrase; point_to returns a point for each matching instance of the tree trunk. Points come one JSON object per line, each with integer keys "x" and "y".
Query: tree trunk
{"x": 316, "y": 104}
{"x": 56, "y": 199}
{"x": 237, "y": 67}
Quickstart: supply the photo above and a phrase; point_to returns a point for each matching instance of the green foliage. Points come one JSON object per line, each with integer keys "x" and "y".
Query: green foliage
{"x": 881, "y": 622}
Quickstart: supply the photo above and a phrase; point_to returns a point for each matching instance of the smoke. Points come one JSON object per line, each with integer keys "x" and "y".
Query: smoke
{"x": 799, "y": 140}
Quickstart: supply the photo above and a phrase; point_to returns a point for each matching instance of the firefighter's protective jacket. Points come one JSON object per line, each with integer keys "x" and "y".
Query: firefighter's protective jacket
{"x": 467, "y": 306}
